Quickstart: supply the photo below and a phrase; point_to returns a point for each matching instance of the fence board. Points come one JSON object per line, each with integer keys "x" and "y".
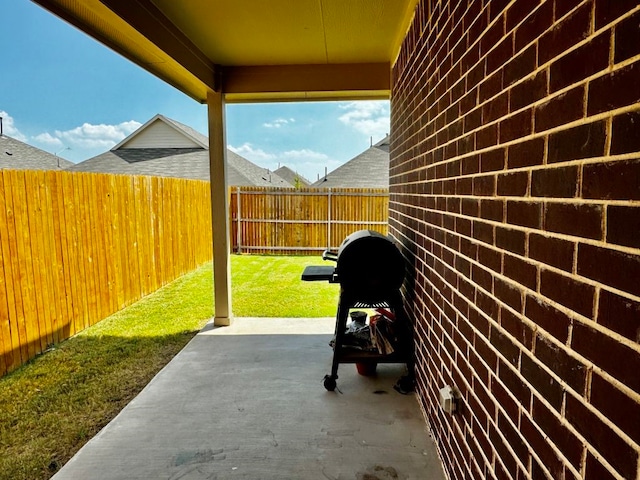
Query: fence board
{"x": 14, "y": 297}
{"x": 96, "y": 200}
{"x": 62, "y": 254}
{"x": 97, "y": 245}
{"x": 68, "y": 231}
{"x": 40, "y": 259}
{"x": 10, "y": 343}
{"x": 155, "y": 206}
{"x": 23, "y": 265}
{"x": 48, "y": 246}
{"x": 86, "y": 232}
{"x": 121, "y": 219}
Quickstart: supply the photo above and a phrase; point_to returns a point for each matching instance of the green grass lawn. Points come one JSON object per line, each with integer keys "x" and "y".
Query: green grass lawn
{"x": 51, "y": 406}
{"x": 270, "y": 286}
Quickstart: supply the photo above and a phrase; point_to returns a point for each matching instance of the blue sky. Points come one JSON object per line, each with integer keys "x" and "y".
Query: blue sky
{"x": 65, "y": 93}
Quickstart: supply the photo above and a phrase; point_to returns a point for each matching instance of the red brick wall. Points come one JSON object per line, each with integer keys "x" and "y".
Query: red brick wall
{"x": 515, "y": 192}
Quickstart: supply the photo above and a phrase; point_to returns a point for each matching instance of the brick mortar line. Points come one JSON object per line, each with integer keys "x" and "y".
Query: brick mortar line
{"x": 469, "y": 472}
{"x": 606, "y": 116}
{"x": 525, "y": 290}
{"x": 563, "y": 421}
{"x": 592, "y": 34}
{"x": 470, "y": 46}
{"x": 618, "y": 20}
{"x": 492, "y": 322}
{"x": 632, "y": 394}
{"x": 445, "y": 45}
{"x": 486, "y": 431}
{"x": 539, "y": 68}
{"x": 511, "y": 198}
{"x": 566, "y": 388}
{"x": 456, "y": 428}
{"x": 528, "y": 230}
{"x": 602, "y": 460}
{"x": 443, "y": 262}
{"x": 530, "y": 450}
{"x": 412, "y": 58}
{"x": 585, "y": 119}
{"x": 585, "y": 82}
{"x": 566, "y": 424}
{"x": 507, "y": 445}
{"x": 605, "y": 420}
{"x": 518, "y": 199}
{"x": 468, "y": 90}
{"x": 429, "y": 23}
{"x": 570, "y": 313}
{"x": 494, "y": 374}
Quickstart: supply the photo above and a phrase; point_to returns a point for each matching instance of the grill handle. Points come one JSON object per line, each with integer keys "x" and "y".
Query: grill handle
{"x": 329, "y": 255}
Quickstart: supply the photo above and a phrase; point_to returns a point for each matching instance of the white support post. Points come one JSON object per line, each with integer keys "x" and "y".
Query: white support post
{"x": 219, "y": 209}
{"x": 329, "y": 220}
{"x": 239, "y": 221}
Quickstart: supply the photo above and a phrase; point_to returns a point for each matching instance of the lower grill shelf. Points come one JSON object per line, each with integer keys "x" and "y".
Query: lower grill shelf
{"x": 349, "y": 355}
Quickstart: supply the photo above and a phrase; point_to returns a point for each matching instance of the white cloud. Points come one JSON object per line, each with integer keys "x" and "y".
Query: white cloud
{"x": 368, "y": 117}
{"x": 253, "y": 154}
{"x": 304, "y": 154}
{"x": 9, "y": 128}
{"x": 84, "y": 137}
{"x": 278, "y": 122}
{"x": 306, "y": 162}
{"x": 96, "y": 136}
{"x": 48, "y": 139}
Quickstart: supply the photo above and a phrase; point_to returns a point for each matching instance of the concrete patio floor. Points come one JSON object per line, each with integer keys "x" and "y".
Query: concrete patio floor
{"x": 247, "y": 402}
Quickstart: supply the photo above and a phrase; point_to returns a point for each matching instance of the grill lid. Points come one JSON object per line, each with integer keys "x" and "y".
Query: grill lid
{"x": 370, "y": 264}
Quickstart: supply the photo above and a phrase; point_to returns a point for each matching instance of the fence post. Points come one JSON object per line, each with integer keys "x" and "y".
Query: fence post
{"x": 238, "y": 222}
{"x": 329, "y": 220}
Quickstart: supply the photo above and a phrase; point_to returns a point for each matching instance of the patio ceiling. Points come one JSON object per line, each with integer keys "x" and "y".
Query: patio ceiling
{"x": 253, "y": 50}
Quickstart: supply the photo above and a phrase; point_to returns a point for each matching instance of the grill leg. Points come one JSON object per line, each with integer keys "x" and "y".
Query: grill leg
{"x": 405, "y": 384}
{"x": 341, "y": 325}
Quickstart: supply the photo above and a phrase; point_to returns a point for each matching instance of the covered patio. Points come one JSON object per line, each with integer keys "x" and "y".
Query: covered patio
{"x": 247, "y": 401}
{"x": 514, "y": 174}
{"x": 245, "y": 398}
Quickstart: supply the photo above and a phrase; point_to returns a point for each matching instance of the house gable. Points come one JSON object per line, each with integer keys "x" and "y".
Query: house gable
{"x": 159, "y": 132}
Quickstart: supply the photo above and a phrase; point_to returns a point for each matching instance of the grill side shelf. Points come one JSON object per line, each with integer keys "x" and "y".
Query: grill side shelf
{"x": 316, "y": 273}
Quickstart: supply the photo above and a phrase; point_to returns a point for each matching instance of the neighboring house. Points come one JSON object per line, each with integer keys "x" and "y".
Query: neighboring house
{"x": 370, "y": 169}
{"x": 17, "y": 155}
{"x": 294, "y": 178}
{"x": 165, "y": 148}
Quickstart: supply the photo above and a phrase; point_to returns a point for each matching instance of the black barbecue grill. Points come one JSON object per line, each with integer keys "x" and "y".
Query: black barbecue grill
{"x": 370, "y": 271}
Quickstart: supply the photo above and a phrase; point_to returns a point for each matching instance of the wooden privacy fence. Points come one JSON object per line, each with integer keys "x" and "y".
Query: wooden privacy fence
{"x": 77, "y": 247}
{"x": 303, "y": 221}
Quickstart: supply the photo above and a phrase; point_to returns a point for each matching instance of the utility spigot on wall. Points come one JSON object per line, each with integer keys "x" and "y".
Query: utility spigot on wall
{"x": 448, "y": 400}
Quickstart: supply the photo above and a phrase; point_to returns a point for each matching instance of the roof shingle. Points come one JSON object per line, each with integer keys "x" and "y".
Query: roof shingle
{"x": 17, "y": 155}
{"x": 370, "y": 169}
